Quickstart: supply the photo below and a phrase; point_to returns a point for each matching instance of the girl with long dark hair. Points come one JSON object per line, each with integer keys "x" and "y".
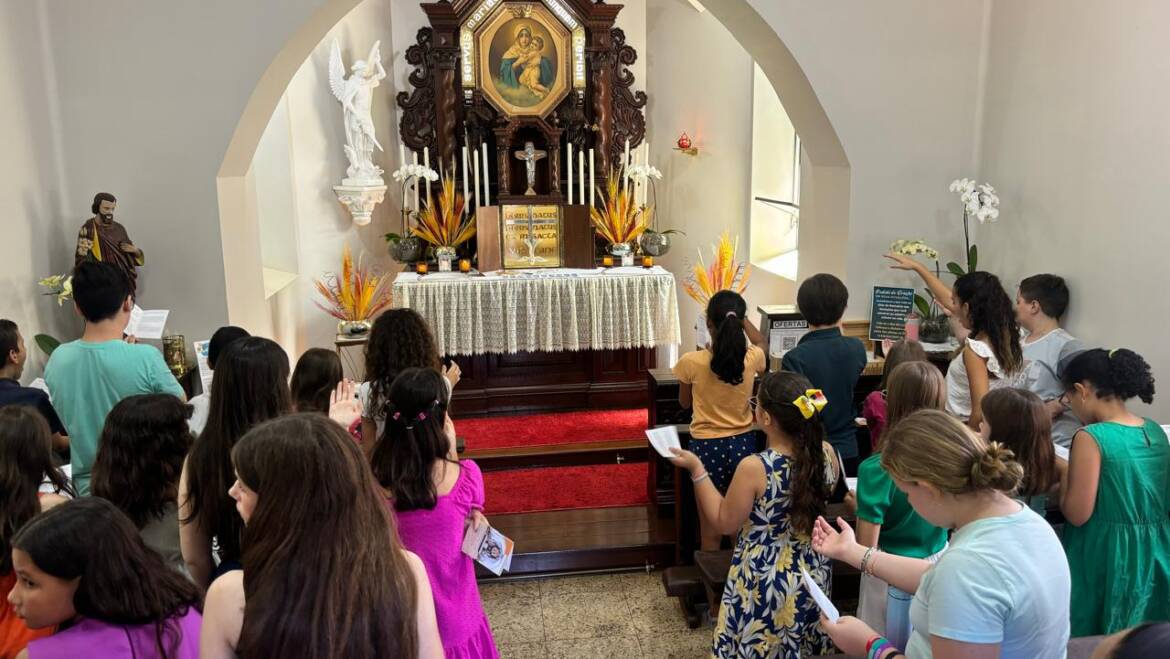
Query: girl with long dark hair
{"x": 26, "y": 459}
{"x": 772, "y": 502}
{"x": 323, "y": 573}
{"x": 433, "y": 494}
{"x": 1115, "y": 496}
{"x": 716, "y": 383}
{"x": 83, "y": 568}
{"x": 314, "y": 380}
{"x": 250, "y": 387}
{"x": 139, "y": 463}
{"x": 400, "y": 339}
{"x": 992, "y": 356}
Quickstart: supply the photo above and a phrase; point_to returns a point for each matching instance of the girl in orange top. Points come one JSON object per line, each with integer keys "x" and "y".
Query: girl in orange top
{"x": 26, "y": 450}
{"x": 716, "y": 383}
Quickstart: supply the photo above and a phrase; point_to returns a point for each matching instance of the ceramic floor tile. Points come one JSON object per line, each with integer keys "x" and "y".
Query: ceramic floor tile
{"x": 640, "y": 586}
{"x": 508, "y": 590}
{"x": 567, "y": 586}
{"x": 516, "y": 620}
{"x": 591, "y": 615}
{"x": 685, "y": 645}
{"x": 611, "y": 647}
{"x": 522, "y": 651}
{"x": 660, "y": 615}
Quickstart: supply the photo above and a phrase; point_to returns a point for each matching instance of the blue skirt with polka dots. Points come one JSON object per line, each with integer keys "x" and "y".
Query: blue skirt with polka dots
{"x": 721, "y": 455}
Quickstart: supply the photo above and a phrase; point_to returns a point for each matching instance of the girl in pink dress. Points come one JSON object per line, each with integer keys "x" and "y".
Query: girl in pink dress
{"x": 83, "y": 567}
{"x": 435, "y": 496}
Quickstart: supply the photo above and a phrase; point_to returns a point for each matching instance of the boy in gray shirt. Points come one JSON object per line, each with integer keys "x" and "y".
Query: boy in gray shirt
{"x": 1040, "y": 303}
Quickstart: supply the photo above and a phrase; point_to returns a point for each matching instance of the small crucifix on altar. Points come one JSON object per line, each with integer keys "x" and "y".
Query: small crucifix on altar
{"x": 530, "y": 155}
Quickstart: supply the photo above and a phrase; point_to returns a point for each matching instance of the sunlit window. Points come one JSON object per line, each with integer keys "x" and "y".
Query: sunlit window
{"x": 775, "y": 207}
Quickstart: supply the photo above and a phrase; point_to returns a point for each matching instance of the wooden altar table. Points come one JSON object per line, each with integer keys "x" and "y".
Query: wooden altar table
{"x": 552, "y": 339}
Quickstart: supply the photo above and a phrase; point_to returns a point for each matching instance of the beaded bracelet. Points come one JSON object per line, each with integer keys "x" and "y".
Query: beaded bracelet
{"x": 876, "y": 646}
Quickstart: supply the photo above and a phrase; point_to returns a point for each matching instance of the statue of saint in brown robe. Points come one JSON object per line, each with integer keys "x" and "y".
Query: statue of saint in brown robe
{"x": 107, "y": 241}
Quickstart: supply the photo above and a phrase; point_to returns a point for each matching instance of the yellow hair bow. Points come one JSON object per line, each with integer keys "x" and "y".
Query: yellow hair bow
{"x": 811, "y": 402}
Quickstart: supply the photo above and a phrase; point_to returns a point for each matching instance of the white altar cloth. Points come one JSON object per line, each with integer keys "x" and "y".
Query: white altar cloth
{"x": 545, "y": 310}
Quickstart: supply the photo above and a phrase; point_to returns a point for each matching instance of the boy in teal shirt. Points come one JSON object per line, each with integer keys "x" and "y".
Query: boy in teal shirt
{"x": 87, "y": 377}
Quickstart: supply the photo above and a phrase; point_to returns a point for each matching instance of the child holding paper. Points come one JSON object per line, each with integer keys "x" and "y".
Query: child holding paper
{"x": 772, "y": 502}
{"x": 1115, "y": 496}
{"x": 885, "y": 518}
{"x": 717, "y": 383}
{"x": 435, "y": 496}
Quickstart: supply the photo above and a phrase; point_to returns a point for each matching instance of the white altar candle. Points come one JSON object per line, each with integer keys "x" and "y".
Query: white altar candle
{"x": 414, "y": 155}
{"x": 486, "y": 198}
{"x": 580, "y": 177}
{"x": 475, "y": 173}
{"x": 592, "y": 179}
{"x": 466, "y": 177}
{"x": 646, "y": 162}
{"x": 401, "y": 155}
{"x": 427, "y": 164}
{"x": 626, "y": 166}
{"x": 570, "y": 199}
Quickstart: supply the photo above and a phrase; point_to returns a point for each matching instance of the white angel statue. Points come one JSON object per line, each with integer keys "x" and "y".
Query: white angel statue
{"x": 355, "y": 94}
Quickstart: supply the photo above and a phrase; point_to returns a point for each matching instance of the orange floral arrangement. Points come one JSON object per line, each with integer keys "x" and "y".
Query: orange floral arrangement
{"x": 724, "y": 273}
{"x": 355, "y": 294}
{"x": 445, "y": 225}
{"x": 619, "y": 220}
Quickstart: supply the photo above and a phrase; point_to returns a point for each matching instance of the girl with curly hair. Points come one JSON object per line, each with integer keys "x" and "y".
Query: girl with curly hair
{"x": 992, "y": 356}
{"x": 138, "y": 465}
{"x": 400, "y": 339}
{"x": 1115, "y": 496}
{"x": 772, "y": 502}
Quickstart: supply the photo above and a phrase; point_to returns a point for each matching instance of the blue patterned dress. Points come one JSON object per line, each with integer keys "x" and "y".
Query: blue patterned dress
{"x": 766, "y": 612}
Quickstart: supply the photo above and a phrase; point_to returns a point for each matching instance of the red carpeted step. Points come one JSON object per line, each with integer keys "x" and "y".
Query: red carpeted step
{"x": 546, "y": 429}
{"x": 565, "y": 488}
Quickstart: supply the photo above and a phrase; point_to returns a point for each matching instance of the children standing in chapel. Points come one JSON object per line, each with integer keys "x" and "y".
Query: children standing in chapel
{"x": 773, "y": 501}
{"x": 1115, "y": 496}
{"x": 1040, "y": 304}
{"x": 716, "y": 383}
{"x": 831, "y": 361}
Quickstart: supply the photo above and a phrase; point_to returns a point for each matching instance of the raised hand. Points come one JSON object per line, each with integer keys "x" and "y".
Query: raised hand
{"x": 453, "y": 373}
{"x": 834, "y": 543}
{"x": 902, "y": 262}
{"x": 344, "y": 406}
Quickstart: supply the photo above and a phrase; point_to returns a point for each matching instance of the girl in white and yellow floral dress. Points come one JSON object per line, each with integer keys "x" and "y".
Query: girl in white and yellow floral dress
{"x": 773, "y": 500}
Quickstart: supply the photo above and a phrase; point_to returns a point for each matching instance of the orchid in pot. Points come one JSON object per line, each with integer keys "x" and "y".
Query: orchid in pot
{"x": 407, "y": 248}
{"x": 935, "y": 324}
{"x": 980, "y": 202}
{"x": 653, "y": 241}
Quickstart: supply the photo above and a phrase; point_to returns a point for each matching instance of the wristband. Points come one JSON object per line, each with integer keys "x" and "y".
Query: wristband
{"x": 700, "y": 479}
{"x": 878, "y": 646}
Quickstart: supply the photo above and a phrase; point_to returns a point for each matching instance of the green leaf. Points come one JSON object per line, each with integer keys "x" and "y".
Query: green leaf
{"x": 392, "y": 237}
{"x": 955, "y": 269}
{"x": 46, "y": 343}
{"x": 670, "y": 231}
{"x": 922, "y": 305}
{"x": 972, "y": 259}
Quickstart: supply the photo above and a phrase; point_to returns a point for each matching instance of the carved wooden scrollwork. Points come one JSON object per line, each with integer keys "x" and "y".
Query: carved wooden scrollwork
{"x": 417, "y": 127}
{"x": 628, "y": 120}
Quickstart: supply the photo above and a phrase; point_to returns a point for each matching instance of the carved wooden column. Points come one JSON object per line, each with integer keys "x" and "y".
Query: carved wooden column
{"x": 445, "y": 63}
{"x": 601, "y": 79}
{"x": 417, "y": 127}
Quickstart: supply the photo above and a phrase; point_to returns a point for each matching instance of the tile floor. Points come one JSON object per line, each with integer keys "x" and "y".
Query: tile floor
{"x": 627, "y": 616}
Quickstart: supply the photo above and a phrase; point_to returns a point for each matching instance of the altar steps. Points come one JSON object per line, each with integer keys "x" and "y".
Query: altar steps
{"x": 583, "y": 540}
{"x": 559, "y": 455}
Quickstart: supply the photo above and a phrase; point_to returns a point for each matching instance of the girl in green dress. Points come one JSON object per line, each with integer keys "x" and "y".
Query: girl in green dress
{"x": 1115, "y": 495}
{"x": 773, "y": 500}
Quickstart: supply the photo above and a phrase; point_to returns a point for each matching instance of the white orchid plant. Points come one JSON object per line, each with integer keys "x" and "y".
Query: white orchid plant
{"x": 641, "y": 173}
{"x": 60, "y": 286}
{"x": 980, "y": 202}
{"x": 928, "y": 307}
{"x": 411, "y": 171}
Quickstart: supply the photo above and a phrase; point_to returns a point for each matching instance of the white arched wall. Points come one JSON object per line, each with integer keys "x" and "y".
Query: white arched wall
{"x": 825, "y": 204}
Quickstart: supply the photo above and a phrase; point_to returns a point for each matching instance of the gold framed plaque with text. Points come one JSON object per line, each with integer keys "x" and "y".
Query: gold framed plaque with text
{"x": 531, "y": 236}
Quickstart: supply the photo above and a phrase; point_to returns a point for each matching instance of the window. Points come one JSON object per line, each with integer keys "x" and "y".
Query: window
{"x": 775, "y": 206}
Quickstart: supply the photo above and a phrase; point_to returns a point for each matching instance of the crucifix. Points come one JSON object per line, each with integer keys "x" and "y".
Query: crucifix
{"x": 530, "y": 155}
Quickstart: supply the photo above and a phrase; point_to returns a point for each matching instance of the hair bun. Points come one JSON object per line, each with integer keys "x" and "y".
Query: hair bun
{"x": 996, "y": 469}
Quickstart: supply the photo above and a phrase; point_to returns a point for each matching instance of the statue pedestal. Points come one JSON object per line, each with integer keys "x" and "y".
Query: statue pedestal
{"x": 360, "y": 200}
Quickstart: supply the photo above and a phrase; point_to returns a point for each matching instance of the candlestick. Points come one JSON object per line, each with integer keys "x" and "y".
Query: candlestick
{"x": 466, "y": 178}
{"x": 487, "y": 201}
{"x": 427, "y": 164}
{"x": 414, "y": 155}
{"x": 475, "y": 173}
{"x": 570, "y": 198}
{"x": 580, "y": 177}
{"x": 592, "y": 179}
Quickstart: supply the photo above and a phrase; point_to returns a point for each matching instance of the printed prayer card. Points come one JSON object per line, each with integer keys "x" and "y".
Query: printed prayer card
{"x": 663, "y": 439}
{"x": 819, "y": 597}
{"x": 491, "y": 548}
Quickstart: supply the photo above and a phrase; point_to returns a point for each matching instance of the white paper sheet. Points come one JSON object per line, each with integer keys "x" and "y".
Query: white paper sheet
{"x": 819, "y": 597}
{"x": 851, "y": 483}
{"x": 663, "y": 439}
{"x": 147, "y": 324}
{"x": 490, "y": 548}
{"x": 1061, "y": 452}
{"x": 205, "y": 371}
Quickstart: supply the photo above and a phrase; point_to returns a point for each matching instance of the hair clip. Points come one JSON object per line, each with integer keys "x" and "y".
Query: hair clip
{"x": 396, "y": 416}
{"x": 1111, "y": 353}
{"x": 811, "y": 402}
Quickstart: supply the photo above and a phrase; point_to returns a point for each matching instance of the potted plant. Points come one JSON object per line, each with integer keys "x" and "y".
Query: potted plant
{"x": 442, "y": 223}
{"x": 405, "y": 247}
{"x": 619, "y": 221}
{"x": 934, "y": 326}
{"x": 653, "y": 242}
{"x": 354, "y": 297}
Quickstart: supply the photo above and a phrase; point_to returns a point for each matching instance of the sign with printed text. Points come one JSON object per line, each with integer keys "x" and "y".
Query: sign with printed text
{"x": 887, "y": 317}
{"x": 531, "y": 236}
